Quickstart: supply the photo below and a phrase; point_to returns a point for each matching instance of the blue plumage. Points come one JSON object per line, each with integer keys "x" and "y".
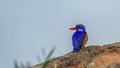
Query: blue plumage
{"x": 78, "y": 37}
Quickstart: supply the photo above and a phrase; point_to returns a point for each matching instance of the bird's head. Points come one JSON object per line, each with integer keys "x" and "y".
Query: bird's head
{"x": 79, "y": 27}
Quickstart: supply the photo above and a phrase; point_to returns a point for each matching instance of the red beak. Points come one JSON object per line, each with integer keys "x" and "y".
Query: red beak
{"x": 73, "y": 28}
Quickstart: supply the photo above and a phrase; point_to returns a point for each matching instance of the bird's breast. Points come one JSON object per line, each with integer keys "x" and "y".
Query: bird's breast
{"x": 85, "y": 39}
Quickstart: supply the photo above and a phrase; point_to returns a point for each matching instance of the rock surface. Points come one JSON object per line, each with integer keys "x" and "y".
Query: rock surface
{"x": 106, "y": 56}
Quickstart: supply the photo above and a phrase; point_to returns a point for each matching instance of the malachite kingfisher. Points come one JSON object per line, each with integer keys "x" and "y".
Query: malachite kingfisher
{"x": 80, "y": 37}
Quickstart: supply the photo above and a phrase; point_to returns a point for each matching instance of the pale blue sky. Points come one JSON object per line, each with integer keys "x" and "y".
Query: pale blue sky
{"x": 28, "y": 25}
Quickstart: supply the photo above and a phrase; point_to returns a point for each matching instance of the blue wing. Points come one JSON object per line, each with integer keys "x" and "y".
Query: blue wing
{"x": 78, "y": 39}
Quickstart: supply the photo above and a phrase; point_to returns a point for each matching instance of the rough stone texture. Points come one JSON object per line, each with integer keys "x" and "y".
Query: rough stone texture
{"x": 106, "y": 56}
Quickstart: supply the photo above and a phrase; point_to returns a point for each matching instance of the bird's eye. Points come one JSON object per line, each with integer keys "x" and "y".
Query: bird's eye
{"x": 76, "y": 27}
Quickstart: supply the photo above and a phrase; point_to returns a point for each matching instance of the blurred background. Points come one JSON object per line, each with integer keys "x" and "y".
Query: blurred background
{"x": 29, "y": 26}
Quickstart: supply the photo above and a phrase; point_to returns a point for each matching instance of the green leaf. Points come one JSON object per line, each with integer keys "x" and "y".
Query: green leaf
{"x": 47, "y": 59}
{"x": 22, "y": 65}
{"x": 16, "y": 64}
{"x": 50, "y": 54}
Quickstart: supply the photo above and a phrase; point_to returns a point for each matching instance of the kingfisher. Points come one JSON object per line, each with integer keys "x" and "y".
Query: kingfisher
{"x": 79, "y": 38}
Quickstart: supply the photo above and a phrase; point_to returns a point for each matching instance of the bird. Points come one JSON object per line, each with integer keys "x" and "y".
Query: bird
{"x": 79, "y": 38}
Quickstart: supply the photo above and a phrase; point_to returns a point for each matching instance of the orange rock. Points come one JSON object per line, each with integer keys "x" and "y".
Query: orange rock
{"x": 104, "y": 60}
{"x": 107, "y": 56}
